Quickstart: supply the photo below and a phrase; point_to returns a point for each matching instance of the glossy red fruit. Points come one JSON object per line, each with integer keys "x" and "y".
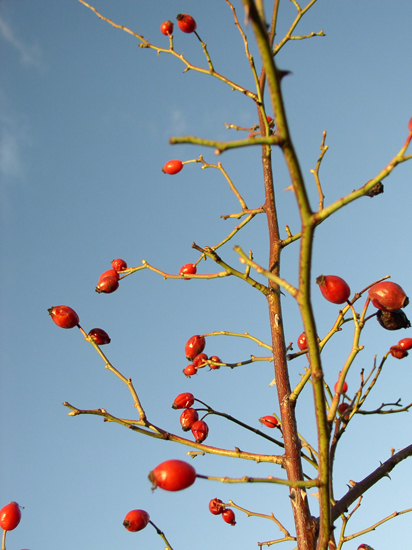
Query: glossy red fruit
{"x": 136, "y": 520}
{"x": 215, "y": 359}
{"x": 166, "y": 27}
{"x": 64, "y": 316}
{"x": 119, "y": 265}
{"x": 107, "y": 285}
{"x": 109, "y": 273}
{"x": 186, "y": 23}
{"x": 393, "y": 320}
{"x": 229, "y": 516}
{"x": 183, "y": 401}
{"x": 398, "y": 353}
{"x": 200, "y": 360}
{"x": 333, "y": 288}
{"x": 188, "y": 269}
{"x": 344, "y": 387}
{"x": 10, "y": 516}
{"x": 269, "y": 421}
{"x": 405, "y": 343}
{"x": 388, "y": 296}
{"x": 100, "y": 336}
{"x": 188, "y": 418}
{"x": 173, "y": 475}
{"x": 195, "y": 345}
{"x": 190, "y": 370}
{"x": 200, "y": 431}
{"x": 172, "y": 167}
{"x": 302, "y": 342}
{"x": 216, "y": 506}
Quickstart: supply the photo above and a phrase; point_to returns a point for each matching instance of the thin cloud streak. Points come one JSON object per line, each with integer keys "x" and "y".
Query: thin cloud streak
{"x": 29, "y": 55}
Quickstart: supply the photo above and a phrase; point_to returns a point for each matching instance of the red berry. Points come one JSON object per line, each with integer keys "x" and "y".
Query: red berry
{"x": 302, "y": 342}
{"x": 119, "y": 265}
{"x": 215, "y": 359}
{"x": 229, "y": 516}
{"x": 365, "y": 547}
{"x": 333, "y": 288}
{"x": 190, "y": 370}
{"x": 172, "y": 167}
{"x": 269, "y": 421}
{"x": 405, "y": 343}
{"x": 183, "y": 401}
{"x": 186, "y": 23}
{"x": 64, "y": 316}
{"x": 100, "y": 336}
{"x": 107, "y": 285}
{"x": 342, "y": 408}
{"x": 188, "y": 418}
{"x": 398, "y": 353}
{"x": 344, "y": 388}
{"x": 200, "y": 431}
{"x": 173, "y": 475}
{"x": 188, "y": 269}
{"x": 136, "y": 520}
{"x": 109, "y": 273}
{"x": 10, "y": 516}
{"x": 216, "y": 506}
{"x": 195, "y": 345}
{"x": 388, "y": 296}
{"x": 166, "y": 27}
{"x": 200, "y": 360}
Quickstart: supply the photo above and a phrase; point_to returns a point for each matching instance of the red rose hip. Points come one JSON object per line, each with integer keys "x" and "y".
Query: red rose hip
{"x": 173, "y": 475}
{"x": 183, "y": 401}
{"x": 119, "y": 265}
{"x": 302, "y": 342}
{"x": 388, "y": 296}
{"x": 64, "y": 316}
{"x": 186, "y": 23}
{"x": 166, "y": 28}
{"x": 228, "y": 515}
{"x": 136, "y": 520}
{"x": 333, "y": 288}
{"x": 216, "y": 506}
{"x": 100, "y": 336}
{"x": 188, "y": 269}
{"x": 172, "y": 167}
{"x": 188, "y": 418}
{"x": 269, "y": 421}
{"x": 200, "y": 431}
{"x": 190, "y": 370}
{"x": 10, "y": 516}
{"x": 195, "y": 345}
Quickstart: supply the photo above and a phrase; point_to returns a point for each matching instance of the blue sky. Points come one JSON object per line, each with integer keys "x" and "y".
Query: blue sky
{"x": 85, "y": 119}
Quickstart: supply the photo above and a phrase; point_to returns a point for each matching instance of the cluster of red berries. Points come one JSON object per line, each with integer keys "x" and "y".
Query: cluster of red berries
{"x": 401, "y": 349}
{"x": 194, "y": 353}
{"x": 185, "y": 22}
{"x": 217, "y": 507}
{"x": 109, "y": 280}
{"x": 66, "y": 317}
{"x": 189, "y": 419}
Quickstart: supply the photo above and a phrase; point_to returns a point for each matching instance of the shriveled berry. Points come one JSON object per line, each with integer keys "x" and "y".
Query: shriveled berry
{"x": 398, "y": 353}
{"x": 333, "y": 288}
{"x": 136, "y": 520}
{"x": 100, "y": 336}
{"x": 388, "y": 296}
{"x": 183, "y": 401}
{"x": 200, "y": 360}
{"x": 186, "y": 23}
{"x": 119, "y": 265}
{"x": 107, "y": 285}
{"x": 190, "y": 370}
{"x": 188, "y": 418}
{"x": 200, "y": 431}
{"x": 195, "y": 345}
{"x": 269, "y": 421}
{"x": 393, "y": 320}
{"x": 188, "y": 269}
{"x": 173, "y": 475}
{"x": 64, "y": 316}
{"x": 216, "y": 506}
{"x": 172, "y": 167}
{"x": 166, "y": 28}
{"x": 228, "y": 515}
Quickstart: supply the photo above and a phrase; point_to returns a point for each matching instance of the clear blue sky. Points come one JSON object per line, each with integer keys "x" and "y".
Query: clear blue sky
{"x": 85, "y": 118}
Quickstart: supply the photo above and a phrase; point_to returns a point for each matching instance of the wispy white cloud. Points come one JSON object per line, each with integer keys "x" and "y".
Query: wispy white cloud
{"x": 30, "y": 55}
{"x": 13, "y": 142}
